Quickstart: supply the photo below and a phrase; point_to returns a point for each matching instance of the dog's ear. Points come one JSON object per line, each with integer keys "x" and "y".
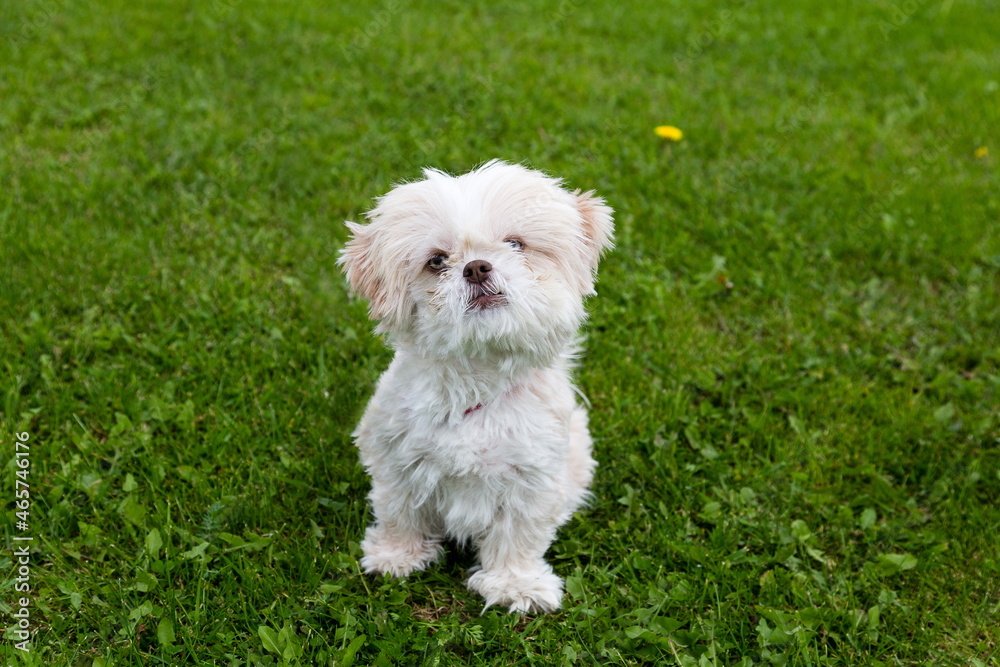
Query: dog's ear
{"x": 367, "y": 270}
{"x": 598, "y": 227}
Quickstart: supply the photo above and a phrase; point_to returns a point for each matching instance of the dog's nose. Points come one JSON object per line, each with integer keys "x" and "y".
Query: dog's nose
{"x": 477, "y": 271}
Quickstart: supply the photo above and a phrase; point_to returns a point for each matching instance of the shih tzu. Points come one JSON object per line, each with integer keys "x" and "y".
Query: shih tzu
{"x": 474, "y": 432}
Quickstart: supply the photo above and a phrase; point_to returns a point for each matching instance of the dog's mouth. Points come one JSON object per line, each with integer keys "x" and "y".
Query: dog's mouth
{"x": 483, "y": 298}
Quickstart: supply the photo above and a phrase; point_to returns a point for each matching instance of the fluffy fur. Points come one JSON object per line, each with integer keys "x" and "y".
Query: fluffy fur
{"x": 474, "y": 432}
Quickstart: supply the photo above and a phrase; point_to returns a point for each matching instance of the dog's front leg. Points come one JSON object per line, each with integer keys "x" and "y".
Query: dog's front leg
{"x": 402, "y": 540}
{"x": 513, "y": 571}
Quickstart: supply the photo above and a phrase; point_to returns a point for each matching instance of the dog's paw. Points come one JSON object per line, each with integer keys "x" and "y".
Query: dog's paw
{"x": 537, "y": 591}
{"x": 386, "y": 554}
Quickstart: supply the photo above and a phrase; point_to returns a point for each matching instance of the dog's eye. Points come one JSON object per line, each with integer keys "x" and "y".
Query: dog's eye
{"x": 516, "y": 244}
{"x": 437, "y": 262}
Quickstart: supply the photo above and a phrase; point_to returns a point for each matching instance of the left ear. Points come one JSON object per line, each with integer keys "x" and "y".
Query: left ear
{"x": 598, "y": 227}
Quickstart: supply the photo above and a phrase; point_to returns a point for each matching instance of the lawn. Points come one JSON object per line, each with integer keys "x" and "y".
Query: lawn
{"x": 793, "y": 361}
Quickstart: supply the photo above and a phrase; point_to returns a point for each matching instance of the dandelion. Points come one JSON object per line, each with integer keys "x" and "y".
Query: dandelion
{"x": 669, "y": 132}
{"x": 982, "y": 152}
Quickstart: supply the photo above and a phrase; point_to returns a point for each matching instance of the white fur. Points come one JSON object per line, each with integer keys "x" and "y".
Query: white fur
{"x": 474, "y": 433}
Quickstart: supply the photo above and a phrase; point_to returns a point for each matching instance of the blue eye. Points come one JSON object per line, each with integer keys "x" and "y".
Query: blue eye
{"x": 516, "y": 244}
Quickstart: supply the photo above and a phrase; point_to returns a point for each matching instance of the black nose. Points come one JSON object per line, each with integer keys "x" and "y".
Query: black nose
{"x": 477, "y": 271}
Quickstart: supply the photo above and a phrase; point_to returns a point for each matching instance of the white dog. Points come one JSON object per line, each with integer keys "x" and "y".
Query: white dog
{"x": 474, "y": 433}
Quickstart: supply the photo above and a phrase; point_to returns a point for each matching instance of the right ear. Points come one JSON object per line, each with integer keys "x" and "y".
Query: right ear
{"x": 366, "y": 263}
{"x": 360, "y": 266}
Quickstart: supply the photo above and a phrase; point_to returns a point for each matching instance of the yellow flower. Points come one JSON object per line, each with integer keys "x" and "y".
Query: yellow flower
{"x": 982, "y": 151}
{"x": 669, "y": 132}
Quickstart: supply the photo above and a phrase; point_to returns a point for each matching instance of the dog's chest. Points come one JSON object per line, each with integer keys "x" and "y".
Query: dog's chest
{"x": 475, "y": 448}
{"x": 468, "y": 473}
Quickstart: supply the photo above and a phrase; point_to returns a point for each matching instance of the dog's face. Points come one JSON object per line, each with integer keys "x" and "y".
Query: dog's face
{"x": 498, "y": 259}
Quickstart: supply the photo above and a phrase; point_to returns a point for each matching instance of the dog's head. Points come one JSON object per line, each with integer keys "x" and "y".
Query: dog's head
{"x": 499, "y": 258}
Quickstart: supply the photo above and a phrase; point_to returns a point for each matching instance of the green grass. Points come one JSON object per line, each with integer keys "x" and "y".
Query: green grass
{"x": 797, "y": 469}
